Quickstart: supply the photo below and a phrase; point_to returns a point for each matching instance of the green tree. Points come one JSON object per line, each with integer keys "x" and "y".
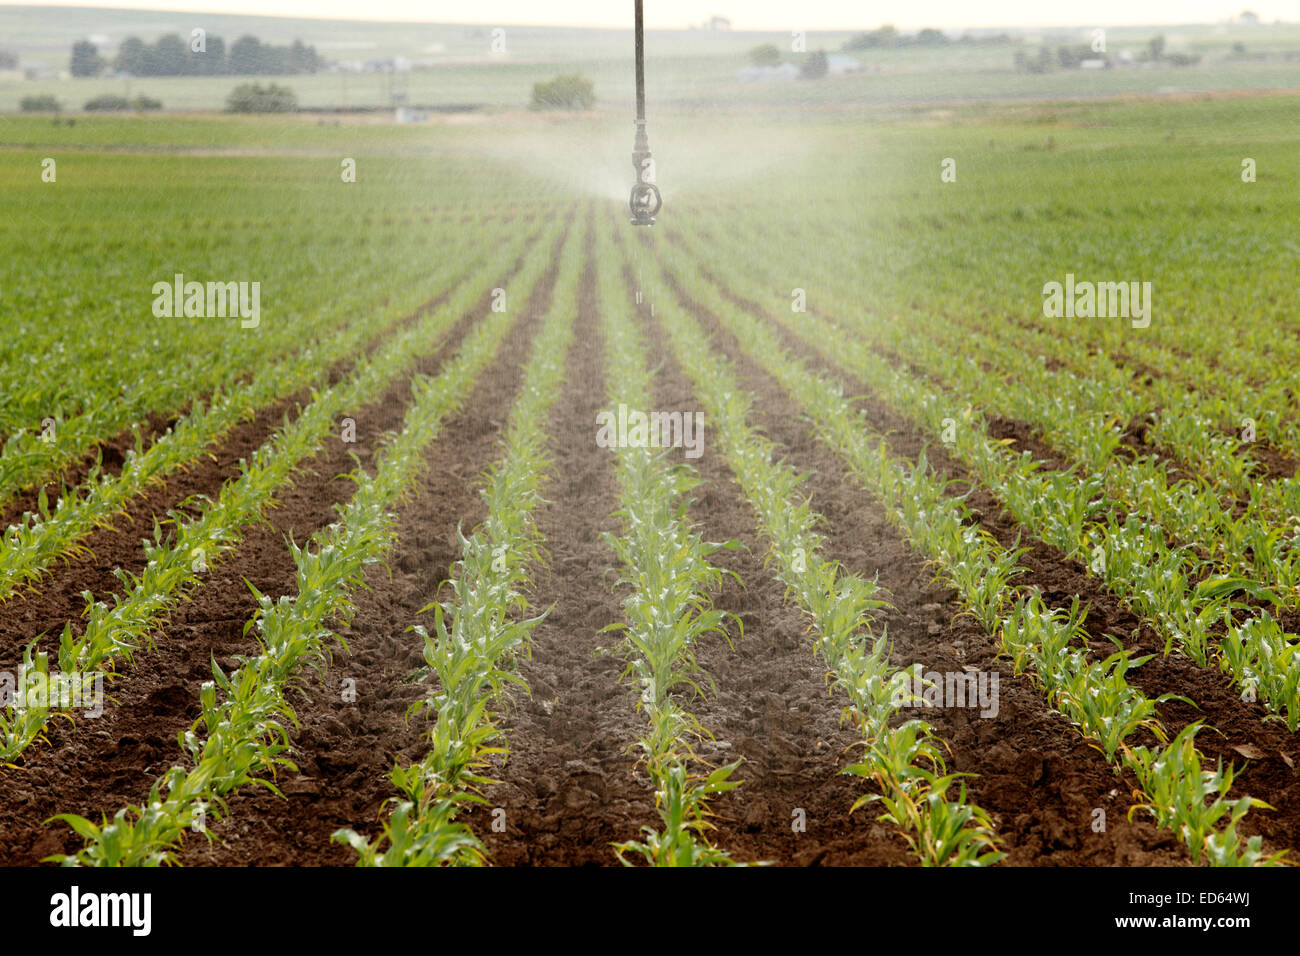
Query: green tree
{"x": 302, "y": 58}
{"x": 565, "y": 92}
{"x": 1156, "y": 46}
{"x": 213, "y": 62}
{"x": 86, "y": 60}
{"x": 42, "y": 103}
{"x": 131, "y": 56}
{"x": 253, "y": 98}
{"x": 886, "y": 36}
{"x": 170, "y": 56}
{"x": 108, "y": 103}
{"x": 247, "y": 57}
{"x": 765, "y": 55}
{"x": 815, "y": 67}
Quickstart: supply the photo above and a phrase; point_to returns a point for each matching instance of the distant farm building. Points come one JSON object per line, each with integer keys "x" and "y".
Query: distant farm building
{"x": 786, "y": 72}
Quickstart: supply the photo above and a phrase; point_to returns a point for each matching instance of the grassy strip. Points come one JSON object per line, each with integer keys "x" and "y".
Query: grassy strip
{"x": 176, "y": 562}
{"x": 1180, "y": 794}
{"x": 473, "y": 657}
{"x": 246, "y": 737}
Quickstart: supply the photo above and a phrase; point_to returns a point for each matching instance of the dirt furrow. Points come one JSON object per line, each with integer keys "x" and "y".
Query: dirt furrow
{"x": 568, "y": 788}
{"x": 772, "y": 706}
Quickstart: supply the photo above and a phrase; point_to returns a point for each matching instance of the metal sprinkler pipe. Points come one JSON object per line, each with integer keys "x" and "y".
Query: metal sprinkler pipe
{"x": 645, "y": 200}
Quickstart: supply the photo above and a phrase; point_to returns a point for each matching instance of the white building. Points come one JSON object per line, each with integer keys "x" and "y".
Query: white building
{"x": 784, "y": 73}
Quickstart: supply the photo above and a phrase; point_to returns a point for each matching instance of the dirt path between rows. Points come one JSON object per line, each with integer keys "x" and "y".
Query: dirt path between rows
{"x": 772, "y": 707}
{"x": 569, "y": 788}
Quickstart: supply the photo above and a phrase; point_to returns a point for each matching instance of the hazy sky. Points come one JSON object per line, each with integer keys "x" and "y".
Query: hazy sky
{"x": 746, "y": 14}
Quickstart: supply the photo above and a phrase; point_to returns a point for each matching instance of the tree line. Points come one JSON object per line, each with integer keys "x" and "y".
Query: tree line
{"x": 202, "y": 56}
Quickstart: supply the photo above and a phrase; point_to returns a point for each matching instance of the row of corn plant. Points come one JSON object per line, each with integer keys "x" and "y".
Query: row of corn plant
{"x": 29, "y": 548}
{"x": 102, "y": 379}
{"x": 1196, "y": 603}
{"x": 665, "y": 564}
{"x": 1199, "y": 380}
{"x": 1198, "y": 405}
{"x": 1095, "y": 696}
{"x": 243, "y": 735}
{"x": 1161, "y": 571}
{"x": 176, "y": 561}
{"x": 1186, "y": 596}
{"x": 480, "y": 632}
{"x": 919, "y": 795}
{"x": 1080, "y": 414}
{"x": 1081, "y": 417}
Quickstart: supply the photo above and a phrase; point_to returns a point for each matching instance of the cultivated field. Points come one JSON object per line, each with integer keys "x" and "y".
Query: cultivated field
{"x": 377, "y": 562}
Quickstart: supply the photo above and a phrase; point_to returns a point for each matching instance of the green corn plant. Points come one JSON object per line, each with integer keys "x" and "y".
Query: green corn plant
{"x": 1190, "y": 800}
{"x": 23, "y": 722}
{"x": 682, "y": 801}
{"x": 666, "y": 567}
{"x": 1098, "y": 697}
{"x": 954, "y": 832}
{"x": 1260, "y": 657}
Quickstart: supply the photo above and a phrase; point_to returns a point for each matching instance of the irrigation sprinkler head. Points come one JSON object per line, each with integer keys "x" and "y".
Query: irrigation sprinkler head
{"x": 645, "y": 200}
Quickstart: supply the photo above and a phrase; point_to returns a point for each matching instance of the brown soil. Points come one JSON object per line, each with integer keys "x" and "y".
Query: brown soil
{"x": 570, "y": 787}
